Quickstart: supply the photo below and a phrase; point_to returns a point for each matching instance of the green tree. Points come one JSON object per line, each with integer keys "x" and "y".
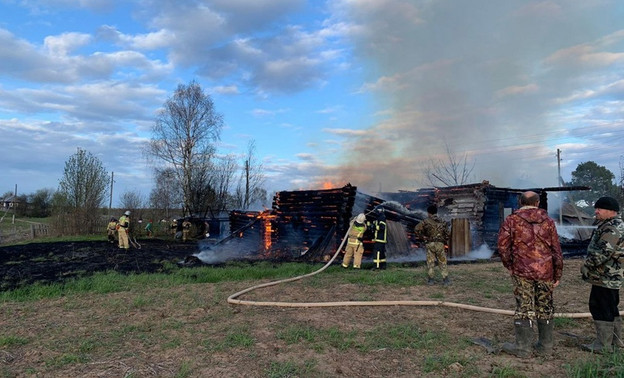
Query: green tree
{"x": 40, "y": 203}
{"x": 183, "y": 138}
{"x": 82, "y": 189}
{"x": 597, "y": 177}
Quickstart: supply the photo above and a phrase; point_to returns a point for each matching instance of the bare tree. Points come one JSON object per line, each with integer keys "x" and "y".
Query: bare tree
{"x": 166, "y": 195}
{"x": 132, "y": 200}
{"x": 183, "y": 138}
{"x": 451, "y": 172}
{"x": 224, "y": 172}
{"x": 82, "y": 190}
{"x": 250, "y": 186}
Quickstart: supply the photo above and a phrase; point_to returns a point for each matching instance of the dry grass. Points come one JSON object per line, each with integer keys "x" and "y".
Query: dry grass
{"x": 191, "y": 331}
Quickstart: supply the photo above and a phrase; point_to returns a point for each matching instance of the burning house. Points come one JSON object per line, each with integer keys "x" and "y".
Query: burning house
{"x": 310, "y": 225}
{"x": 476, "y": 212}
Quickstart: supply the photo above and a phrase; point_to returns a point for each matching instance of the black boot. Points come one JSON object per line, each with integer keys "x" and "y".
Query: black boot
{"x": 524, "y": 335}
{"x": 604, "y": 338}
{"x": 544, "y": 345}
{"x": 617, "y": 332}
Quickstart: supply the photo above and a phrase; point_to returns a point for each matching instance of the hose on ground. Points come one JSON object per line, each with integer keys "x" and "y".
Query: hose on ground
{"x": 232, "y": 299}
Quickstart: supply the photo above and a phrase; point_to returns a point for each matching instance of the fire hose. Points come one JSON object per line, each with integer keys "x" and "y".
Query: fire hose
{"x": 232, "y": 299}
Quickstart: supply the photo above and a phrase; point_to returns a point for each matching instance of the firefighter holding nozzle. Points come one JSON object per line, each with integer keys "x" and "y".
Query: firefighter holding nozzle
{"x": 381, "y": 238}
{"x": 355, "y": 248}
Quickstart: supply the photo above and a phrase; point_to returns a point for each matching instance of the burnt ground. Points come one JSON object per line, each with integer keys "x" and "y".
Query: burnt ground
{"x": 53, "y": 262}
{"x": 190, "y": 330}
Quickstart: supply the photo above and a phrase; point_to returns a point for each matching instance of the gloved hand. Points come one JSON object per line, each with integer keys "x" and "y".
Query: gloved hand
{"x": 584, "y": 271}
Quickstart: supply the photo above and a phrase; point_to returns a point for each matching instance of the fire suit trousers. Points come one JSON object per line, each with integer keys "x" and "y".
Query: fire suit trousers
{"x": 356, "y": 251}
{"x": 379, "y": 255}
{"x": 123, "y": 238}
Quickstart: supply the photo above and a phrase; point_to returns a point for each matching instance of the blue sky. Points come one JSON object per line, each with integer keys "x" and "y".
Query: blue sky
{"x": 365, "y": 92}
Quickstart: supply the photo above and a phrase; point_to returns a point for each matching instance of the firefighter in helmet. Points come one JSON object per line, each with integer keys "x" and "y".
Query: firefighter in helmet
{"x": 123, "y": 230}
{"x": 355, "y": 248}
{"x": 380, "y": 239}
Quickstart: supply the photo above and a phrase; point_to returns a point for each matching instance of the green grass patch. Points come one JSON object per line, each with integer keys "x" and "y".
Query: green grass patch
{"x": 288, "y": 369}
{"x": 11, "y": 341}
{"x": 239, "y": 337}
{"x": 110, "y": 282}
{"x": 598, "y": 366}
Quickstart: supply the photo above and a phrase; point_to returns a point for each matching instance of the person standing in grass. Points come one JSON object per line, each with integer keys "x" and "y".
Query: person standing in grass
{"x": 111, "y": 229}
{"x": 529, "y": 248}
{"x": 123, "y": 227}
{"x": 355, "y": 248}
{"x": 603, "y": 269}
{"x": 380, "y": 229}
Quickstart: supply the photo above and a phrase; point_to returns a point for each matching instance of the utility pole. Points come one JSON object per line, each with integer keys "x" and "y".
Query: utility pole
{"x": 110, "y": 203}
{"x": 560, "y": 181}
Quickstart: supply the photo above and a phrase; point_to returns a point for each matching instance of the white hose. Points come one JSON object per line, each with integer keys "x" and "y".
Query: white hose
{"x": 232, "y": 299}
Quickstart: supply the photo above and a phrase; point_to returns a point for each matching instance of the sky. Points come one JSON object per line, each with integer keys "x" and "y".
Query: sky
{"x": 366, "y": 92}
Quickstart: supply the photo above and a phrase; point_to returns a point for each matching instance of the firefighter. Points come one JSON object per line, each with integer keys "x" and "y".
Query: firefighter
{"x": 355, "y": 248}
{"x": 174, "y": 226}
{"x": 123, "y": 228}
{"x": 111, "y": 229}
{"x": 186, "y": 229}
{"x": 380, "y": 239}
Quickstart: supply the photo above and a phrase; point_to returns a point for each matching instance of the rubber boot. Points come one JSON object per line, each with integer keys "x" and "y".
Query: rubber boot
{"x": 524, "y": 335}
{"x": 617, "y": 332}
{"x": 604, "y": 338}
{"x": 544, "y": 345}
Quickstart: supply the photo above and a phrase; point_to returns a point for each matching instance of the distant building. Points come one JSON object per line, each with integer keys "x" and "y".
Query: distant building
{"x": 10, "y": 202}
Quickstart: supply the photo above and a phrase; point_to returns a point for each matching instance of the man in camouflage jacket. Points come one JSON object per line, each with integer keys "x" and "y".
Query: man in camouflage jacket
{"x": 435, "y": 232}
{"x": 603, "y": 269}
{"x": 529, "y": 248}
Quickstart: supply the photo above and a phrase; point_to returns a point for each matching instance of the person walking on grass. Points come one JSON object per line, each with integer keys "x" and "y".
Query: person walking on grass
{"x": 435, "y": 232}
{"x": 529, "y": 248}
{"x": 603, "y": 269}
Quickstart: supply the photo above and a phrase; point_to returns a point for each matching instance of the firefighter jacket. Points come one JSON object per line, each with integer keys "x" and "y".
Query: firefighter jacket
{"x": 124, "y": 222}
{"x": 529, "y": 247}
{"x": 112, "y": 226}
{"x": 381, "y": 232}
{"x": 605, "y": 255}
{"x": 433, "y": 229}
{"x": 356, "y": 232}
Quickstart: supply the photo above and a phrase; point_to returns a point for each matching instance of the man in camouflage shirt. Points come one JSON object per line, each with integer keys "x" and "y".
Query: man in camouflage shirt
{"x": 529, "y": 248}
{"x": 603, "y": 270}
{"x": 435, "y": 232}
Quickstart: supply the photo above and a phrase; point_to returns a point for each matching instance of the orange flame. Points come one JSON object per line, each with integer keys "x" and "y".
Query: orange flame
{"x": 266, "y": 218}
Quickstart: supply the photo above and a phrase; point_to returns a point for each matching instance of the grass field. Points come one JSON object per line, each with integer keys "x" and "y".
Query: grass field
{"x": 179, "y": 324}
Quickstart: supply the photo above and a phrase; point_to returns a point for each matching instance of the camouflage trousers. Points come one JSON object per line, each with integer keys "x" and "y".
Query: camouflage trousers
{"x": 435, "y": 251}
{"x": 534, "y": 299}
